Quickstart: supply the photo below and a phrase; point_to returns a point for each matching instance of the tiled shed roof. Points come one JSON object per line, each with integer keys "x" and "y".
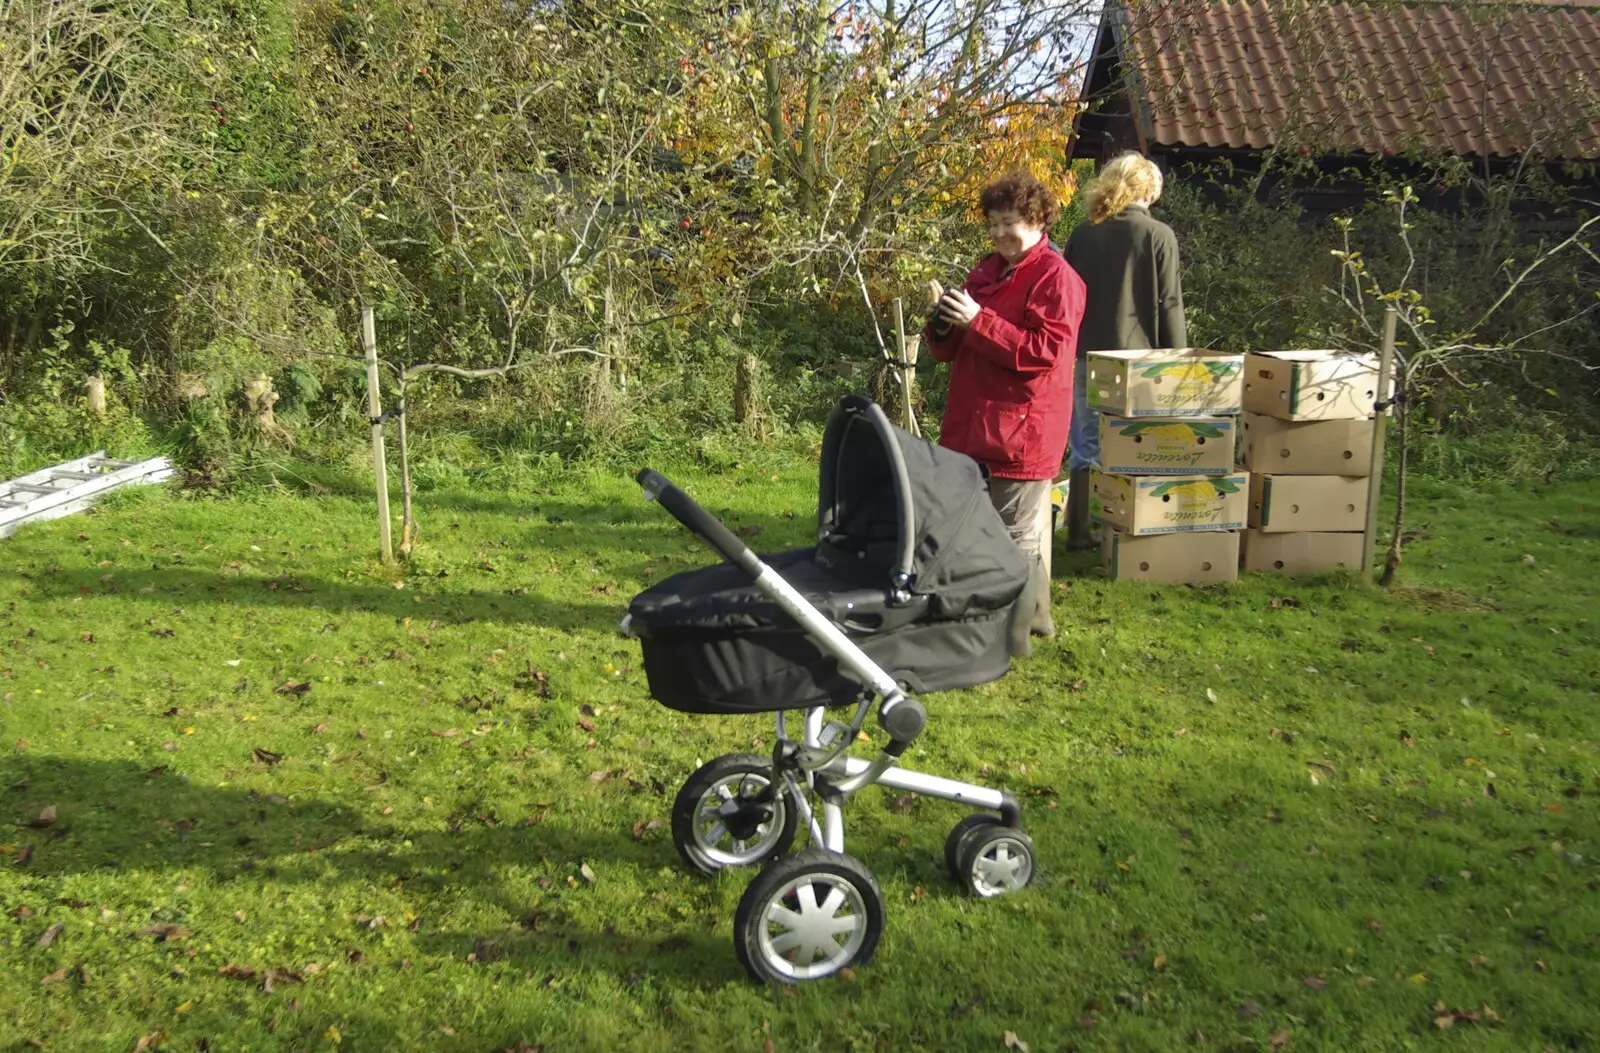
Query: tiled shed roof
{"x": 1378, "y": 77}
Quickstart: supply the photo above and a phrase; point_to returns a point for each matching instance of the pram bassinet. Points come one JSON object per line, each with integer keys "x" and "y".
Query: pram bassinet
{"x": 911, "y": 561}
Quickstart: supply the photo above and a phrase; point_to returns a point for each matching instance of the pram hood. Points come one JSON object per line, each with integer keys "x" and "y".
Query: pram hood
{"x": 898, "y": 512}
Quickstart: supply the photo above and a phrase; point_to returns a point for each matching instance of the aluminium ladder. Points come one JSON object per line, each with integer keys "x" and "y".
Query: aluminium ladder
{"x": 71, "y": 487}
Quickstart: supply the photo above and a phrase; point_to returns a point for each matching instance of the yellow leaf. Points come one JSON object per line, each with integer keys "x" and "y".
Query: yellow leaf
{"x": 1419, "y": 978}
{"x": 1161, "y": 962}
{"x": 332, "y": 1035}
{"x": 185, "y": 1007}
{"x": 188, "y": 731}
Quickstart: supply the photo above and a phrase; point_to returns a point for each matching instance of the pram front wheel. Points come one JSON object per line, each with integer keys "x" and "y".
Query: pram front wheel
{"x": 994, "y": 860}
{"x": 728, "y": 814}
{"x": 952, "y": 844}
{"x": 807, "y": 916}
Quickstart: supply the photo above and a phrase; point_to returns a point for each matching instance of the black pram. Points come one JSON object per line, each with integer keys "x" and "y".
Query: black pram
{"x": 909, "y": 589}
{"x": 911, "y": 561}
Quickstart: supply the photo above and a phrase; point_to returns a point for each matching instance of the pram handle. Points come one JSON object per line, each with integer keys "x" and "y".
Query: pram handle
{"x": 703, "y": 524}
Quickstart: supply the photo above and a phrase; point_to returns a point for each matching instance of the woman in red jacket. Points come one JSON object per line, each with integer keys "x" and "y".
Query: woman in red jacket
{"x": 1010, "y": 334}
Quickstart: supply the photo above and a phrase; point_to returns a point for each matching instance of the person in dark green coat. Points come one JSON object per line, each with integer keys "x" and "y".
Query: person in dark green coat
{"x": 1128, "y": 261}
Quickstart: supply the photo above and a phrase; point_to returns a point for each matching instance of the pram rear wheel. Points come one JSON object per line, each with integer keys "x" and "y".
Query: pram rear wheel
{"x": 952, "y": 844}
{"x": 994, "y": 860}
{"x": 719, "y": 819}
{"x": 807, "y": 916}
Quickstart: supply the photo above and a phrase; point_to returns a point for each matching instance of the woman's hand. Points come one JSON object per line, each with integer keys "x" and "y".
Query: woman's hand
{"x": 958, "y": 308}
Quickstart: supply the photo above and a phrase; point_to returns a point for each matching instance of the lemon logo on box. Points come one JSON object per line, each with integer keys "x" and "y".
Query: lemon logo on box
{"x": 1194, "y": 379}
{"x": 1176, "y": 442}
{"x": 1193, "y": 499}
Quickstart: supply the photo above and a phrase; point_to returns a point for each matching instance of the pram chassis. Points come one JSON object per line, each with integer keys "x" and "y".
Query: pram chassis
{"x": 988, "y": 853}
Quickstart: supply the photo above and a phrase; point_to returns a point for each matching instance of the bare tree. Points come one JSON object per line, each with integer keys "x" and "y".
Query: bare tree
{"x": 1430, "y": 352}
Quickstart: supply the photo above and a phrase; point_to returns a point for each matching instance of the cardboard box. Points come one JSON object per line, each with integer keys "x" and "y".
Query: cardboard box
{"x": 1284, "y": 503}
{"x": 1199, "y": 558}
{"x": 1176, "y": 382}
{"x": 1303, "y": 553}
{"x": 1151, "y": 446}
{"x": 1323, "y": 447}
{"x": 1311, "y": 385}
{"x": 1166, "y": 504}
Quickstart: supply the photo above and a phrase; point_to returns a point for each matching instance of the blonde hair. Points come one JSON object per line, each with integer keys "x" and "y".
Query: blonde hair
{"x": 1130, "y": 177}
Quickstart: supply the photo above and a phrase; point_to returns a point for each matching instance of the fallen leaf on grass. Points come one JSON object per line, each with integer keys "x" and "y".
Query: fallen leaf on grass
{"x": 274, "y": 977}
{"x": 320, "y": 728}
{"x": 598, "y": 777}
{"x": 445, "y": 733}
{"x": 1077, "y": 685}
{"x": 1320, "y": 770}
{"x": 147, "y": 1042}
{"x": 902, "y": 803}
{"x": 1316, "y": 983}
{"x": 588, "y": 874}
{"x": 1180, "y": 733}
{"x": 265, "y": 756}
{"x": 642, "y": 827}
{"x": 1013, "y": 1042}
{"x": 1406, "y": 741}
{"x": 1279, "y": 1037}
{"x": 236, "y": 972}
{"x": 586, "y": 724}
{"x": 1248, "y": 1010}
{"x": 47, "y": 817}
{"x": 294, "y": 687}
{"x": 54, "y": 978}
{"x": 1160, "y": 963}
{"x": 165, "y": 932}
{"x": 51, "y": 933}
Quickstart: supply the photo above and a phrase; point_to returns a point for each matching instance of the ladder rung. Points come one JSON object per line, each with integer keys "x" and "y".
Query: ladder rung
{"x": 82, "y": 477}
{"x": 32, "y": 489}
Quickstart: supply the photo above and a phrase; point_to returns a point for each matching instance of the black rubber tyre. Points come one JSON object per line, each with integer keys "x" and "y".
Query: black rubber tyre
{"x": 813, "y": 898}
{"x": 995, "y": 861}
{"x": 705, "y": 844}
{"x": 952, "y": 860}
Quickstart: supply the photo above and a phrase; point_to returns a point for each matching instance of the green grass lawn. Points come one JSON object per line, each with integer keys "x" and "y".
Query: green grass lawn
{"x": 260, "y": 792}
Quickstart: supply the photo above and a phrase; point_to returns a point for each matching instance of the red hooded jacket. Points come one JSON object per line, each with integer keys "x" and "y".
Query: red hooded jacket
{"x": 1010, "y": 399}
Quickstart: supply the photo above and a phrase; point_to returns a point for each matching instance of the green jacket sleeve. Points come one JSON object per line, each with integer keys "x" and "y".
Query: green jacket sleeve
{"x": 1171, "y": 329}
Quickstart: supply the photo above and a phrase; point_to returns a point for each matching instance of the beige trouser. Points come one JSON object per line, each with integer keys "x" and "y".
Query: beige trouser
{"x": 1024, "y": 505}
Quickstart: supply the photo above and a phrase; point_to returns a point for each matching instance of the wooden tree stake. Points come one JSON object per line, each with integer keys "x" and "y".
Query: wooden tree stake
{"x": 369, "y": 343}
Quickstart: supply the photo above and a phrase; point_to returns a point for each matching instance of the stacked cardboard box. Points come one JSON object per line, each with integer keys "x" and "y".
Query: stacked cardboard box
{"x": 1306, "y": 438}
{"x": 1166, "y": 488}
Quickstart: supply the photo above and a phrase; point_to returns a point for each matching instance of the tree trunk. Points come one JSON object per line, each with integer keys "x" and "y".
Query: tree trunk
{"x": 746, "y": 391}
{"x": 1391, "y": 564}
{"x": 408, "y": 525}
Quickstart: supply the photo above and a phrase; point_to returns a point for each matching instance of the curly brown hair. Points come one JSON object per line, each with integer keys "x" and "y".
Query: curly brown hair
{"x": 1021, "y": 193}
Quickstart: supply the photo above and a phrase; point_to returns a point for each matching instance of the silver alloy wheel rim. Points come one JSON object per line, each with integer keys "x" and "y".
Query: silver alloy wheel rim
{"x": 710, "y": 834}
{"x": 1000, "y": 866}
{"x": 806, "y": 944}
